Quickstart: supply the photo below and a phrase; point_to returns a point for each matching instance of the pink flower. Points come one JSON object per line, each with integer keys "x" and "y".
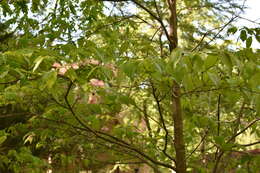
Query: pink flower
{"x": 56, "y": 65}
{"x": 92, "y": 61}
{"x": 93, "y": 99}
{"x": 62, "y": 70}
{"x": 106, "y": 129}
{"x": 96, "y": 82}
{"x": 75, "y": 66}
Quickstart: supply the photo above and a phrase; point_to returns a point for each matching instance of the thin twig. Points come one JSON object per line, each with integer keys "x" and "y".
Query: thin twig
{"x": 208, "y": 32}
{"x": 218, "y": 114}
{"x": 116, "y": 141}
{"x": 220, "y": 154}
{"x": 111, "y": 139}
{"x": 238, "y": 120}
{"x": 201, "y": 141}
{"x": 243, "y": 130}
{"x": 155, "y": 17}
{"x": 9, "y": 82}
{"x": 250, "y": 144}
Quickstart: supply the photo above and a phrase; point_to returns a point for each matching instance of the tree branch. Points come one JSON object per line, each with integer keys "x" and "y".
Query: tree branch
{"x": 163, "y": 123}
{"x": 250, "y": 144}
{"x": 218, "y": 113}
{"x": 238, "y": 120}
{"x": 231, "y": 139}
{"x": 113, "y": 139}
{"x": 243, "y": 130}
{"x": 202, "y": 139}
{"x": 215, "y": 36}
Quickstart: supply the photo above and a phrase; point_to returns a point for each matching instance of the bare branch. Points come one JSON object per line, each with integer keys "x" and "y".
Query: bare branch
{"x": 155, "y": 17}
{"x": 220, "y": 154}
{"x": 159, "y": 108}
{"x": 111, "y": 139}
{"x": 215, "y": 36}
{"x": 114, "y": 140}
{"x": 250, "y": 144}
{"x": 218, "y": 113}
{"x": 238, "y": 120}
{"x": 201, "y": 141}
{"x": 243, "y": 130}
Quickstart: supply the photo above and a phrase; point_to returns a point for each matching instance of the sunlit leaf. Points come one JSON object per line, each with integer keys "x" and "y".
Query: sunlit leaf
{"x": 2, "y": 139}
{"x": 243, "y": 35}
{"x": 210, "y": 61}
{"x": 48, "y": 80}
{"x": 38, "y": 62}
{"x": 249, "y": 42}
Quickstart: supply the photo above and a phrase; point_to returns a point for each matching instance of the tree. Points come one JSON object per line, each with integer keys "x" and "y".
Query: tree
{"x": 93, "y": 83}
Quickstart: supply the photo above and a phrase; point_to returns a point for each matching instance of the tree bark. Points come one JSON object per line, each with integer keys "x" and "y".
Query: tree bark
{"x": 179, "y": 143}
{"x": 173, "y": 36}
{"x": 177, "y": 116}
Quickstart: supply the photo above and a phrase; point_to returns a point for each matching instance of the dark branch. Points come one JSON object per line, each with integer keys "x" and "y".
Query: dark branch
{"x": 220, "y": 154}
{"x": 242, "y": 131}
{"x": 202, "y": 139}
{"x": 218, "y": 113}
{"x": 162, "y": 121}
{"x": 111, "y": 139}
{"x": 115, "y": 141}
{"x": 215, "y": 36}
{"x": 250, "y": 144}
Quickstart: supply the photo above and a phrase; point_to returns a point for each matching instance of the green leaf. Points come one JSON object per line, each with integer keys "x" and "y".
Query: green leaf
{"x": 48, "y": 80}
{"x": 94, "y": 121}
{"x": 179, "y": 72}
{"x": 52, "y": 77}
{"x": 2, "y": 139}
{"x": 175, "y": 56}
{"x": 243, "y": 35}
{"x": 94, "y": 108}
{"x": 187, "y": 82}
{"x": 227, "y": 146}
{"x": 71, "y": 74}
{"x": 197, "y": 62}
{"x": 249, "y": 42}
{"x": 72, "y": 8}
{"x": 28, "y": 138}
{"x": 214, "y": 78}
{"x": 126, "y": 100}
{"x": 158, "y": 67}
{"x": 6, "y": 8}
{"x": 210, "y": 61}
{"x": 257, "y": 104}
{"x": 220, "y": 140}
{"x": 226, "y": 59}
{"x": 232, "y": 30}
{"x": 37, "y": 62}
{"x": 3, "y": 74}
{"x": 254, "y": 81}
{"x": 130, "y": 68}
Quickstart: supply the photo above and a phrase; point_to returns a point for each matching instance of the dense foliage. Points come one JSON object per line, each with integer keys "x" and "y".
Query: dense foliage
{"x": 88, "y": 85}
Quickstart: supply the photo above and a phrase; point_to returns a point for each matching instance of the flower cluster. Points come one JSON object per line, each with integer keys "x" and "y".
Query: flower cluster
{"x": 93, "y": 97}
{"x": 62, "y": 69}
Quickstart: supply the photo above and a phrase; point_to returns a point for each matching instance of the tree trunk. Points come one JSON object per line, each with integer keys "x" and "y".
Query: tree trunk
{"x": 178, "y": 130}
{"x": 173, "y": 36}
{"x": 176, "y": 93}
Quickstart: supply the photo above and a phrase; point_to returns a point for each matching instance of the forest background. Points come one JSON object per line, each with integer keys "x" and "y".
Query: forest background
{"x": 129, "y": 86}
